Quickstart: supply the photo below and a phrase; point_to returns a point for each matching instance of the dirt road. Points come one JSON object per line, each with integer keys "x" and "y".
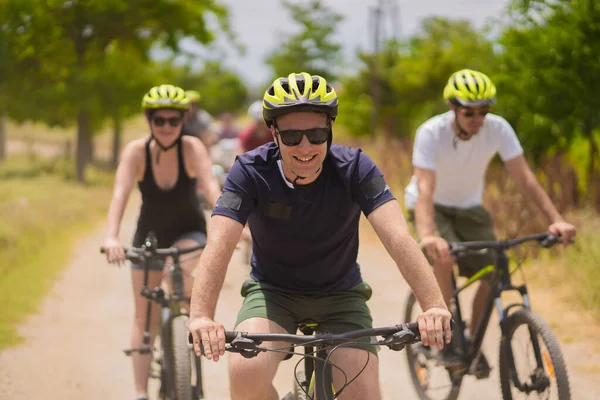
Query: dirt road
{"x": 73, "y": 346}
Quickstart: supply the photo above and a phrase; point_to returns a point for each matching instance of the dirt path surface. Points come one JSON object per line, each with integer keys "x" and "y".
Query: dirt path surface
{"x": 73, "y": 346}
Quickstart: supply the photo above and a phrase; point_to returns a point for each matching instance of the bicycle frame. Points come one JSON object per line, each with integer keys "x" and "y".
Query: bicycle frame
{"x": 171, "y": 309}
{"x": 318, "y": 373}
{"x": 500, "y": 282}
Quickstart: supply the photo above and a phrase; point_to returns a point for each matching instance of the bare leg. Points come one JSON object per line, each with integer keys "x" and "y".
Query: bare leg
{"x": 141, "y": 362}
{"x": 351, "y": 361}
{"x": 188, "y": 263}
{"x": 252, "y": 378}
{"x": 443, "y": 274}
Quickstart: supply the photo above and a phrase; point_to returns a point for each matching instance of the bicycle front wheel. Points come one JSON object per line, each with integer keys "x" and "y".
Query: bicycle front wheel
{"x": 531, "y": 362}
{"x": 182, "y": 359}
{"x": 432, "y": 381}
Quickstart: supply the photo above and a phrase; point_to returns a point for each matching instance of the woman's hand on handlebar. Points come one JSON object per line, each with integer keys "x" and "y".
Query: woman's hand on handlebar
{"x": 209, "y": 334}
{"x": 115, "y": 253}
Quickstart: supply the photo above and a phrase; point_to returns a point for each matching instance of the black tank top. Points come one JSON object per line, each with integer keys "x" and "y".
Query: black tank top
{"x": 168, "y": 213}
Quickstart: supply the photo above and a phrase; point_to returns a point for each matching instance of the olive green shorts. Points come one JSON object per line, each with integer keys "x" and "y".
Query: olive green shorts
{"x": 338, "y": 312}
{"x": 464, "y": 225}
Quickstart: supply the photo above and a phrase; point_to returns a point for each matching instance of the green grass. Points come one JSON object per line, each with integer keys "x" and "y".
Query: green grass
{"x": 43, "y": 213}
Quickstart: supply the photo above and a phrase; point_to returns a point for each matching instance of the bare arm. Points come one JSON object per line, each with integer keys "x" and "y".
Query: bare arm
{"x": 519, "y": 170}
{"x": 390, "y": 225}
{"x": 128, "y": 169}
{"x": 223, "y": 235}
{"x": 202, "y": 169}
{"x": 424, "y": 213}
{"x": 126, "y": 173}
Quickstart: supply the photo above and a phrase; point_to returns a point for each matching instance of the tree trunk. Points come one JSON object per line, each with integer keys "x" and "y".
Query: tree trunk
{"x": 390, "y": 127}
{"x": 83, "y": 144}
{"x": 593, "y": 175}
{"x": 116, "y": 145}
{"x": 593, "y": 181}
{"x": 3, "y": 118}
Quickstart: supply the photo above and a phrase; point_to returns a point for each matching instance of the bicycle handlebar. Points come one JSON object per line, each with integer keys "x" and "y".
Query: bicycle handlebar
{"x": 545, "y": 240}
{"x": 135, "y": 253}
{"x": 412, "y": 327}
{"x": 248, "y": 344}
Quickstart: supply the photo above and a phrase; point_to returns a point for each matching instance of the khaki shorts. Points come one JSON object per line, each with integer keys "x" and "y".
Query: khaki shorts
{"x": 464, "y": 225}
{"x": 337, "y": 312}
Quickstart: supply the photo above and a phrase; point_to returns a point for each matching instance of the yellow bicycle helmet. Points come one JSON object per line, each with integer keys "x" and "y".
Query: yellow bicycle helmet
{"x": 470, "y": 88}
{"x": 165, "y": 96}
{"x": 299, "y": 92}
{"x": 193, "y": 96}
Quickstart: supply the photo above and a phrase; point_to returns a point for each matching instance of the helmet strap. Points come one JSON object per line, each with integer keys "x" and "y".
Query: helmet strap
{"x": 461, "y": 134}
{"x": 162, "y": 148}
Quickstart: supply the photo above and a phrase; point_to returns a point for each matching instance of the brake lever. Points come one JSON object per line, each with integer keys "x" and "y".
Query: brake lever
{"x": 399, "y": 340}
{"x": 551, "y": 240}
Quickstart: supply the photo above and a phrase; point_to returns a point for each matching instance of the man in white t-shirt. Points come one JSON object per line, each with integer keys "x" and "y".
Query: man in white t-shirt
{"x": 450, "y": 157}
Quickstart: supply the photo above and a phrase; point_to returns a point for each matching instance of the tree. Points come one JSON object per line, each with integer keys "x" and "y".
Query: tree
{"x": 71, "y": 40}
{"x": 312, "y": 49}
{"x": 551, "y": 64}
{"x": 411, "y": 75}
{"x": 222, "y": 90}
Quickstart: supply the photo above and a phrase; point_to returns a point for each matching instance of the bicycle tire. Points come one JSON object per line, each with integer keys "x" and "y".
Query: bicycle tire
{"x": 299, "y": 393}
{"x": 554, "y": 357}
{"x": 182, "y": 361}
{"x": 415, "y": 366}
{"x": 198, "y": 388}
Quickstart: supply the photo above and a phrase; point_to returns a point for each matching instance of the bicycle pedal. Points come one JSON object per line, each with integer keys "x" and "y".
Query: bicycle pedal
{"x": 482, "y": 371}
{"x": 142, "y": 350}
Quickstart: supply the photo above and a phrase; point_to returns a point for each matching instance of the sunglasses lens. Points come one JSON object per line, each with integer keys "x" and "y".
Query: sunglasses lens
{"x": 318, "y": 135}
{"x": 158, "y": 121}
{"x": 292, "y": 137}
{"x": 471, "y": 113}
{"x": 174, "y": 121}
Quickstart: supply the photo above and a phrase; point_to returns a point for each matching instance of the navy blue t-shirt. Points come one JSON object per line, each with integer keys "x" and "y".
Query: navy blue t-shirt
{"x": 305, "y": 239}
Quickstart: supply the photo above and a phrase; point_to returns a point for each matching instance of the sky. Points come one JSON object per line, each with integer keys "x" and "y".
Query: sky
{"x": 261, "y": 24}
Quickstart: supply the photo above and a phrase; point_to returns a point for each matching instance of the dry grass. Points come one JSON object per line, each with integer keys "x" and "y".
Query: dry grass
{"x": 564, "y": 284}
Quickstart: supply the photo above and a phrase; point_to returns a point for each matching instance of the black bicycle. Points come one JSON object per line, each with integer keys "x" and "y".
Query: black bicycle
{"x": 178, "y": 368}
{"x": 541, "y": 373}
{"x": 316, "y": 380}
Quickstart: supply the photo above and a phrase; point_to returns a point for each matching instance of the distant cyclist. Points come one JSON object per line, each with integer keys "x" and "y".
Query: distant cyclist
{"x": 256, "y": 133}
{"x": 450, "y": 157}
{"x": 169, "y": 169}
{"x": 198, "y": 122}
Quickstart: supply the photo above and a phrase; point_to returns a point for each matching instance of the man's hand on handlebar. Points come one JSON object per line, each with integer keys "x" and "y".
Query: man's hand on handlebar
{"x": 208, "y": 336}
{"x": 436, "y": 248}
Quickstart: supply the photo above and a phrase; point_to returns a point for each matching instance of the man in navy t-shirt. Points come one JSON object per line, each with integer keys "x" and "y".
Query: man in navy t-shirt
{"x": 302, "y": 197}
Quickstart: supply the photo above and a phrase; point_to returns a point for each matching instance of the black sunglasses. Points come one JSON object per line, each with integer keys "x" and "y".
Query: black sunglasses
{"x": 160, "y": 121}
{"x": 471, "y": 113}
{"x": 293, "y": 137}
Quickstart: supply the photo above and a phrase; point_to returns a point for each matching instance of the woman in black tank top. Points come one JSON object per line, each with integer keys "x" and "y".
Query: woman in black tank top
{"x": 169, "y": 169}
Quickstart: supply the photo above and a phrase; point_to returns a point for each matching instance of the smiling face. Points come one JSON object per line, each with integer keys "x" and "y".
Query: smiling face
{"x": 470, "y": 119}
{"x": 306, "y": 158}
{"x": 166, "y": 125}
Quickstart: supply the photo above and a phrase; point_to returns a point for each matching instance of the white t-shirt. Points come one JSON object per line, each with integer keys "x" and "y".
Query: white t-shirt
{"x": 459, "y": 170}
